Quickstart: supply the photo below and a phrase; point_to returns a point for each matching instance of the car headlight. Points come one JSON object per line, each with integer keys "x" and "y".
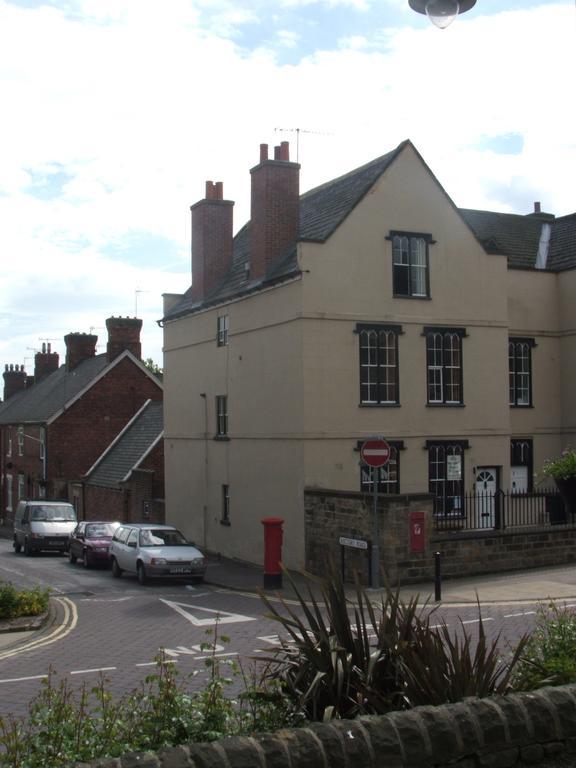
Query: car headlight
{"x": 198, "y": 562}
{"x": 158, "y": 561}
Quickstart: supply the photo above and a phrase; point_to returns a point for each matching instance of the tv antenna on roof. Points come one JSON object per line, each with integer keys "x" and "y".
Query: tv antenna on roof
{"x": 298, "y": 131}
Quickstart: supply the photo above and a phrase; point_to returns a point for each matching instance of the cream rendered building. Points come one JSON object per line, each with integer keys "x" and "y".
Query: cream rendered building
{"x": 368, "y": 306}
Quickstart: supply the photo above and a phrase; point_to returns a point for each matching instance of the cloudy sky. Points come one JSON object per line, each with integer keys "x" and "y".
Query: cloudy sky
{"x": 115, "y": 112}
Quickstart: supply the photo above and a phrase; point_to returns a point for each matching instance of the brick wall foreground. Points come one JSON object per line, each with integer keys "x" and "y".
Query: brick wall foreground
{"x": 515, "y": 730}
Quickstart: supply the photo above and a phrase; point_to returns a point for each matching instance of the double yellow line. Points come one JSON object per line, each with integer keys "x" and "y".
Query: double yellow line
{"x": 64, "y": 628}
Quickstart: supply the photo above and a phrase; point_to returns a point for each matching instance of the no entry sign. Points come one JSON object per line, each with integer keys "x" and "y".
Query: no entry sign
{"x": 375, "y": 453}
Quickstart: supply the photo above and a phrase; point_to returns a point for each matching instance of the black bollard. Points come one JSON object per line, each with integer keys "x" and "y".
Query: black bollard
{"x": 437, "y": 577}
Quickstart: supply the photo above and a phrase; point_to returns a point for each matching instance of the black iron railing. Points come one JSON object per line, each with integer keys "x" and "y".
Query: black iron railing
{"x": 500, "y": 511}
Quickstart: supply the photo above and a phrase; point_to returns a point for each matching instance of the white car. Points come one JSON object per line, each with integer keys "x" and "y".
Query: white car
{"x": 155, "y": 551}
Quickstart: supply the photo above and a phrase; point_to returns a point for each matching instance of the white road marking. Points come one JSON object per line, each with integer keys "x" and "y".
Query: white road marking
{"x": 106, "y": 600}
{"x": 475, "y": 621}
{"x": 23, "y": 679}
{"x": 514, "y": 615}
{"x": 217, "y": 617}
{"x": 87, "y": 671}
{"x": 11, "y": 570}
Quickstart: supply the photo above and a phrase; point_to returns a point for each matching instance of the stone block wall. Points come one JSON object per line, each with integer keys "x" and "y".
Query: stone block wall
{"x": 330, "y": 515}
{"x": 498, "y": 732}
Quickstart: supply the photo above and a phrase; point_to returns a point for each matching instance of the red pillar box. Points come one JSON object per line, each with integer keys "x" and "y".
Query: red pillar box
{"x": 417, "y": 531}
{"x": 272, "y": 552}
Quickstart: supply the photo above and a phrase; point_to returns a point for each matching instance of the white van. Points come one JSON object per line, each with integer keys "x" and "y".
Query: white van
{"x": 40, "y": 525}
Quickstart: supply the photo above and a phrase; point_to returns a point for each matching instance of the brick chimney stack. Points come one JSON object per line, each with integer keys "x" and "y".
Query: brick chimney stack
{"x": 275, "y": 206}
{"x": 14, "y": 380}
{"x": 123, "y": 333}
{"x": 45, "y": 362}
{"x": 79, "y": 347}
{"x": 212, "y": 226}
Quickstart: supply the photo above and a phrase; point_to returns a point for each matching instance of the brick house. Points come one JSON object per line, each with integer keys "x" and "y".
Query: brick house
{"x": 370, "y": 305}
{"x": 127, "y": 482}
{"x": 55, "y": 424}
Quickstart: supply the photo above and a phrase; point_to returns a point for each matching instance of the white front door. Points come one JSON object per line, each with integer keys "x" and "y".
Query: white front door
{"x": 485, "y": 490}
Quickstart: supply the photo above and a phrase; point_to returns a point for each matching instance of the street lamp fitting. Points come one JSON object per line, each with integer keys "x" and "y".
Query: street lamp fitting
{"x": 441, "y": 12}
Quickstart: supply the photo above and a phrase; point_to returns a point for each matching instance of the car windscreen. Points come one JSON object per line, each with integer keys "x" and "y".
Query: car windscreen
{"x": 99, "y": 531}
{"x": 158, "y": 537}
{"x": 53, "y": 513}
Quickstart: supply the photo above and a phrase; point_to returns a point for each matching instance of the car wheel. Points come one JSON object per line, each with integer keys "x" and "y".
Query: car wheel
{"x": 142, "y": 578}
{"x": 85, "y": 559}
{"x": 17, "y": 546}
{"x": 27, "y": 548}
{"x": 116, "y": 570}
{"x": 72, "y": 557}
{"x": 197, "y": 579}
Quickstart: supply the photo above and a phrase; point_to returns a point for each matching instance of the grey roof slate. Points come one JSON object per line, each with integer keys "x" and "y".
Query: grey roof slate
{"x": 562, "y": 252}
{"x": 44, "y": 399}
{"x": 126, "y": 453}
{"x": 324, "y": 208}
{"x": 518, "y": 237}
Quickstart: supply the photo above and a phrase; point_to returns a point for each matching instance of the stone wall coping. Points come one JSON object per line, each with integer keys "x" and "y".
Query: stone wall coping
{"x": 495, "y": 732}
{"x": 491, "y": 533}
{"x": 366, "y": 496}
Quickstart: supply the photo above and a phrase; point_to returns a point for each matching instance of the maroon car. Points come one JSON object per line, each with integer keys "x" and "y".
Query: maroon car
{"x": 90, "y": 541}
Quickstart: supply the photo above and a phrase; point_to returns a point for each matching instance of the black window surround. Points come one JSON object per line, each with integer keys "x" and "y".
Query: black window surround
{"x": 388, "y": 475}
{"x": 222, "y": 331}
{"x": 221, "y": 416}
{"x": 379, "y": 376}
{"x": 448, "y": 493}
{"x": 520, "y": 371}
{"x": 444, "y": 372}
{"x": 225, "y": 518}
{"x": 410, "y": 264}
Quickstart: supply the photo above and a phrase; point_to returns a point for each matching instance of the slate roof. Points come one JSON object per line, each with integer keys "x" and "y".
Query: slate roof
{"x": 44, "y": 399}
{"x": 324, "y": 208}
{"x": 562, "y": 252}
{"x": 127, "y": 451}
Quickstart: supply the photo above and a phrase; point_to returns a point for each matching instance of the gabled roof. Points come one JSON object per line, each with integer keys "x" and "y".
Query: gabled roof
{"x": 324, "y": 208}
{"x": 44, "y": 401}
{"x": 518, "y": 237}
{"x": 129, "y": 449}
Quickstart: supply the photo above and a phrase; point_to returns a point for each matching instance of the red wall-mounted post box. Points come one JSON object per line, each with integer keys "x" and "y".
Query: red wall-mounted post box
{"x": 417, "y": 531}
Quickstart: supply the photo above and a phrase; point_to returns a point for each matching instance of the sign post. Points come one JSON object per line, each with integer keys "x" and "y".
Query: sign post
{"x": 375, "y": 453}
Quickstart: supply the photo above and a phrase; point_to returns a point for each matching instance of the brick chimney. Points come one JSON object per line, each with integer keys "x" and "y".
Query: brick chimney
{"x": 14, "y": 380}
{"x": 212, "y": 222}
{"x": 123, "y": 333}
{"x": 45, "y": 362}
{"x": 79, "y": 347}
{"x": 275, "y": 204}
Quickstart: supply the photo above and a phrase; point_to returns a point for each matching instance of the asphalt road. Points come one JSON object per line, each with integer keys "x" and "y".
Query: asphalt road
{"x": 116, "y": 628}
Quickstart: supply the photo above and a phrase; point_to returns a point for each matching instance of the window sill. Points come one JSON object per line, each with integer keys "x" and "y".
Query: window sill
{"x": 225, "y": 522}
{"x": 522, "y": 406}
{"x": 379, "y": 405}
{"x": 445, "y": 405}
{"x": 418, "y": 298}
{"x": 221, "y": 438}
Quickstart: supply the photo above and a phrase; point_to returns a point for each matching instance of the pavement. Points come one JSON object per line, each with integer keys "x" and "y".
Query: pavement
{"x": 528, "y": 586}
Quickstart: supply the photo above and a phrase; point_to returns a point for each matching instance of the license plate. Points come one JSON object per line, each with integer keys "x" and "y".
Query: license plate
{"x": 181, "y": 570}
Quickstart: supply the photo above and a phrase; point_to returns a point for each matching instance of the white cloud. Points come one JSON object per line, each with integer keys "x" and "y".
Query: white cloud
{"x": 137, "y": 108}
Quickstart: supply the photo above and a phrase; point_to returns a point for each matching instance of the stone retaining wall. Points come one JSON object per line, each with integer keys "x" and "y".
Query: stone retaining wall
{"x": 330, "y": 515}
{"x": 499, "y": 732}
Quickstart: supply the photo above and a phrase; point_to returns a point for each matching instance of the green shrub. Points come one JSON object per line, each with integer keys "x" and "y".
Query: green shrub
{"x": 66, "y": 726}
{"x": 362, "y": 657}
{"x": 549, "y": 657}
{"x": 27, "y": 602}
